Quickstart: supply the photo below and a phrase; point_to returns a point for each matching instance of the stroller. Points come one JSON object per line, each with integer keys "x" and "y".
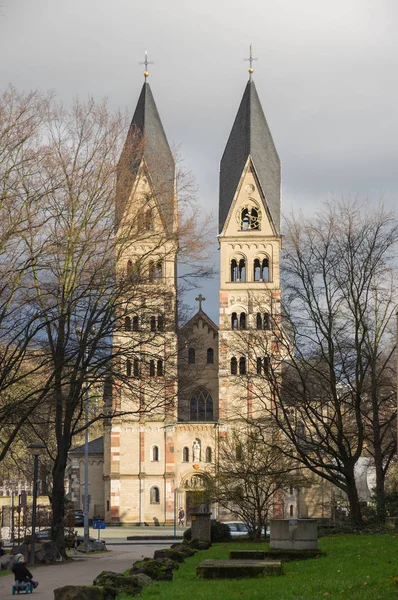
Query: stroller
{"x": 24, "y": 581}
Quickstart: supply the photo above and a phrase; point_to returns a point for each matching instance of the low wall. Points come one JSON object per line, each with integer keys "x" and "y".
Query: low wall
{"x": 294, "y": 534}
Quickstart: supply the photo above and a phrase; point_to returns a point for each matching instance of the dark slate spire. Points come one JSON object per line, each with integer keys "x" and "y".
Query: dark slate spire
{"x": 250, "y": 136}
{"x": 147, "y": 140}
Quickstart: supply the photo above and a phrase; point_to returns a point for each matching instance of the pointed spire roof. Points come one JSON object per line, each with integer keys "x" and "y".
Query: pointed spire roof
{"x": 250, "y": 137}
{"x": 146, "y": 140}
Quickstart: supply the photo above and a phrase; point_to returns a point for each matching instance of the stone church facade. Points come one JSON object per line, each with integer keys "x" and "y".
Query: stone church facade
{"x": 159, "y": 461}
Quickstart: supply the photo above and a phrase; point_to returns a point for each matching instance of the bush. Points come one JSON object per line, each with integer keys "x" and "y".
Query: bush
{"x": 219, "y": 532}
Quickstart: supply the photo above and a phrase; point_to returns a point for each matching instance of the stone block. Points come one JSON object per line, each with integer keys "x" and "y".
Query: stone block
{"x": 157, "y": 569}
{"x": 201, "y": 527}
{"x": 237, "y": 569}
{"x": 294, "y": 534}
{"x": 84, "y": 592}
{"x": 127, "y": 585}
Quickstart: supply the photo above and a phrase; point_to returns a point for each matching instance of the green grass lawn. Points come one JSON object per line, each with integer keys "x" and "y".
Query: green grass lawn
{"x": 358, "y": 567}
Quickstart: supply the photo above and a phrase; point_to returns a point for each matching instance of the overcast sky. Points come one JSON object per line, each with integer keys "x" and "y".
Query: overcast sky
{"x": 326, "y": 76}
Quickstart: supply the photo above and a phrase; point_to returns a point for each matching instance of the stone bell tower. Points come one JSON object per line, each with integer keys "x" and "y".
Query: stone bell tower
{"x": 250, "y": 243}
{"x": 139, "y": 446}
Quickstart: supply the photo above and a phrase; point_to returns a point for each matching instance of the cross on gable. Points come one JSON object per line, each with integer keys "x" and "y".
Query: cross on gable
{"x": 200, "y": 299}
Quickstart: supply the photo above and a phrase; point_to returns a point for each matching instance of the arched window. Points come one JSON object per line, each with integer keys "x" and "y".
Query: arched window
{"x": 159, "y": 368}
{"x": 191, "y": 356}
{"x": 242, "y": 320}
{"x": 208, "y": 454}
{"x": 265, "y": 269}
{"x": 154, "y": 495}
{"x": 210, "y": 356}
{"x": 263, "y": 366}
{"x": 249, "y": 219}
{"x": 151, "y": 272}
{"x": 266, "y": 321}
{"x": 155, "y": 454}
{"x": 140, "y": 219}
{"x": 148, "y": 220}
{"x": 234, "y": 270}
{"x": 257, "y": 270}
{"x": 261, "y": 270}
{"x": 153, "y": 323}
{"x": 259, "y": 321}
{"x": 152, "y": 368}
{"x": 245, "y": 220}
{"x": 238, "y": 270}
{"x": 135, "y": 323}
{"x": 128, "y": 368}
{"x": 242, "y": 365}
{"x": 239, "y": 452}
{"x": 136, "y": 369}
{"x": 201, "y": 406}
{"x": 129, "y": 269}
{"x": 234, "y": 366}
{"x": 127, "y": 324}
{"x": 242, "y": 270}
{"x": 160, "y": 323}
{"x": 185, "y": 454}
{"x": 291, "y": 509}
{"x": 234, "y": 321}
{"x": 158, "y": 271}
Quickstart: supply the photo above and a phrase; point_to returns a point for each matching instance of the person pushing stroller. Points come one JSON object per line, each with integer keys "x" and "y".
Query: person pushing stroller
{"x": 22, "y": 575}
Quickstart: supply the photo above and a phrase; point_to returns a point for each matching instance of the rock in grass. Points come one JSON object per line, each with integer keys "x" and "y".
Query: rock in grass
{"x": 84, "y": 592}
{"x": 169, "y": 553}
{"x": 182, "y": 549}
{"x": 128, "y": 585}
{"x": 198, "y": 544}
{"x": 157, "y": 569}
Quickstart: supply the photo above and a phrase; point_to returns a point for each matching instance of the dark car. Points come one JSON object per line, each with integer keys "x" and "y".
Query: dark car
{"x": 79, "y": 518}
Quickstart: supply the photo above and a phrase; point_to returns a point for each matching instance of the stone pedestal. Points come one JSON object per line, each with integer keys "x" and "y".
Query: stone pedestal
{"x": 294, "y": 534}
{"x": 200, "y": 527}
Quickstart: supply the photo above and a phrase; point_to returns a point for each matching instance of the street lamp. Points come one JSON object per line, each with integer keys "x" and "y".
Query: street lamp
{"x": 36, "y": 449}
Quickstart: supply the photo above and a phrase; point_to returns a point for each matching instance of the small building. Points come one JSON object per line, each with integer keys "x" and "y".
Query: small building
{"x": 75, "y": 477}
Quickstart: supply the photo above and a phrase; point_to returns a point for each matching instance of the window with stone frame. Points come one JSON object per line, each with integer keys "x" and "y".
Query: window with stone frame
{"x": 155, "y": 454}
{"x": 127, "y": 324}
{"x": 201, "y": 406}
{"x": 208, "y": 454}
{"x": 210, "y": 356}
{"x": 234, "y": 366}
{"x": 191, "y": 356}
{"x": 242, "y": 365}
{"x": 185, "y": 454}
{"x": 154, "y": 495}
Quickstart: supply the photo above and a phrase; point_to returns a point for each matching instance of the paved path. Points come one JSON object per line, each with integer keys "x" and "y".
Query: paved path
{"x": 80, "y": 572}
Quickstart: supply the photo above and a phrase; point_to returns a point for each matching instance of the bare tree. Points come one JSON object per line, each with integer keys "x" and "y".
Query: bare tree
{"x": 321, "y": 352}
{"x": 251, "y": 475}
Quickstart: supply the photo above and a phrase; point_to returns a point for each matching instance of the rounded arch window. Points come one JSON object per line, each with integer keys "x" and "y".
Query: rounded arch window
{"x": 238, "y": 269}
{"x": 185, "y": 454}
{"x": 234, "y": 366}
{"x": 250, "y": 218}
{"x": 155, "y": 495}
{"x": 210, "y": 356}
{"x": 201, "y": 406}
{"x": 208, "y": 454}
{"x": 261, "y": 269}
{"x": 127, "y": 323}
{"x": 155, "y": 454}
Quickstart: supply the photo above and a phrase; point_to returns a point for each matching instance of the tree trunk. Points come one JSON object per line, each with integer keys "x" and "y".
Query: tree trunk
{"x": 353, "y": 500}
{"x": 58, "y": 503}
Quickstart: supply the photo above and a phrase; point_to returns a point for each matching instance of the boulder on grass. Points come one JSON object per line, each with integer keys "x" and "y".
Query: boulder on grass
{"x": 157, "y": 569}
{"x": 198, "y": 544}
{"x": 182, "y": 549}
{"x": 128, "y": 585}
{"x": 91, "y": 547}
{"x": 46, "y": 553}
{"x": 84, "y": 592}
{"x": 169, "y": 553}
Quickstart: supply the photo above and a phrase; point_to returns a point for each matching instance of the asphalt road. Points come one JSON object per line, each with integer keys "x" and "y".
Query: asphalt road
{"x": 81, "y": 571}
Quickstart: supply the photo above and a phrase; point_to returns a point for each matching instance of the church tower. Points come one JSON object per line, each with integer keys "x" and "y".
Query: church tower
{"x": 139, "y": 446}
{"x": 250, "y": 243}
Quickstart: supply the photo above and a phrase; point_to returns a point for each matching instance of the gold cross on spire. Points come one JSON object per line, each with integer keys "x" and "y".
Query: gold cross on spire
{"x": 200, "y": 299}
{"x": 250, "y": 59}
{"x": 146, "y": 63}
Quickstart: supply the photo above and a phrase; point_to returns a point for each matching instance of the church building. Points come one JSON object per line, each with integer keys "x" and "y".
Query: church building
{"x": 158, "y": 461}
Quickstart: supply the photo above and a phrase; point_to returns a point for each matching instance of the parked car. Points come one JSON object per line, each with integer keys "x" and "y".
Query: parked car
{"x": 239, "y": 528}
{"x": 79, "y": 518}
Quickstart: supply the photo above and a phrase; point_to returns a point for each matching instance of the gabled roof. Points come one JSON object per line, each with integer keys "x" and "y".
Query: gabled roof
{"x": 250, "y": 136}
{"x": 94, "y": 447}
{"x": 200, "y": 315}
{"x": 146, "y": 141}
